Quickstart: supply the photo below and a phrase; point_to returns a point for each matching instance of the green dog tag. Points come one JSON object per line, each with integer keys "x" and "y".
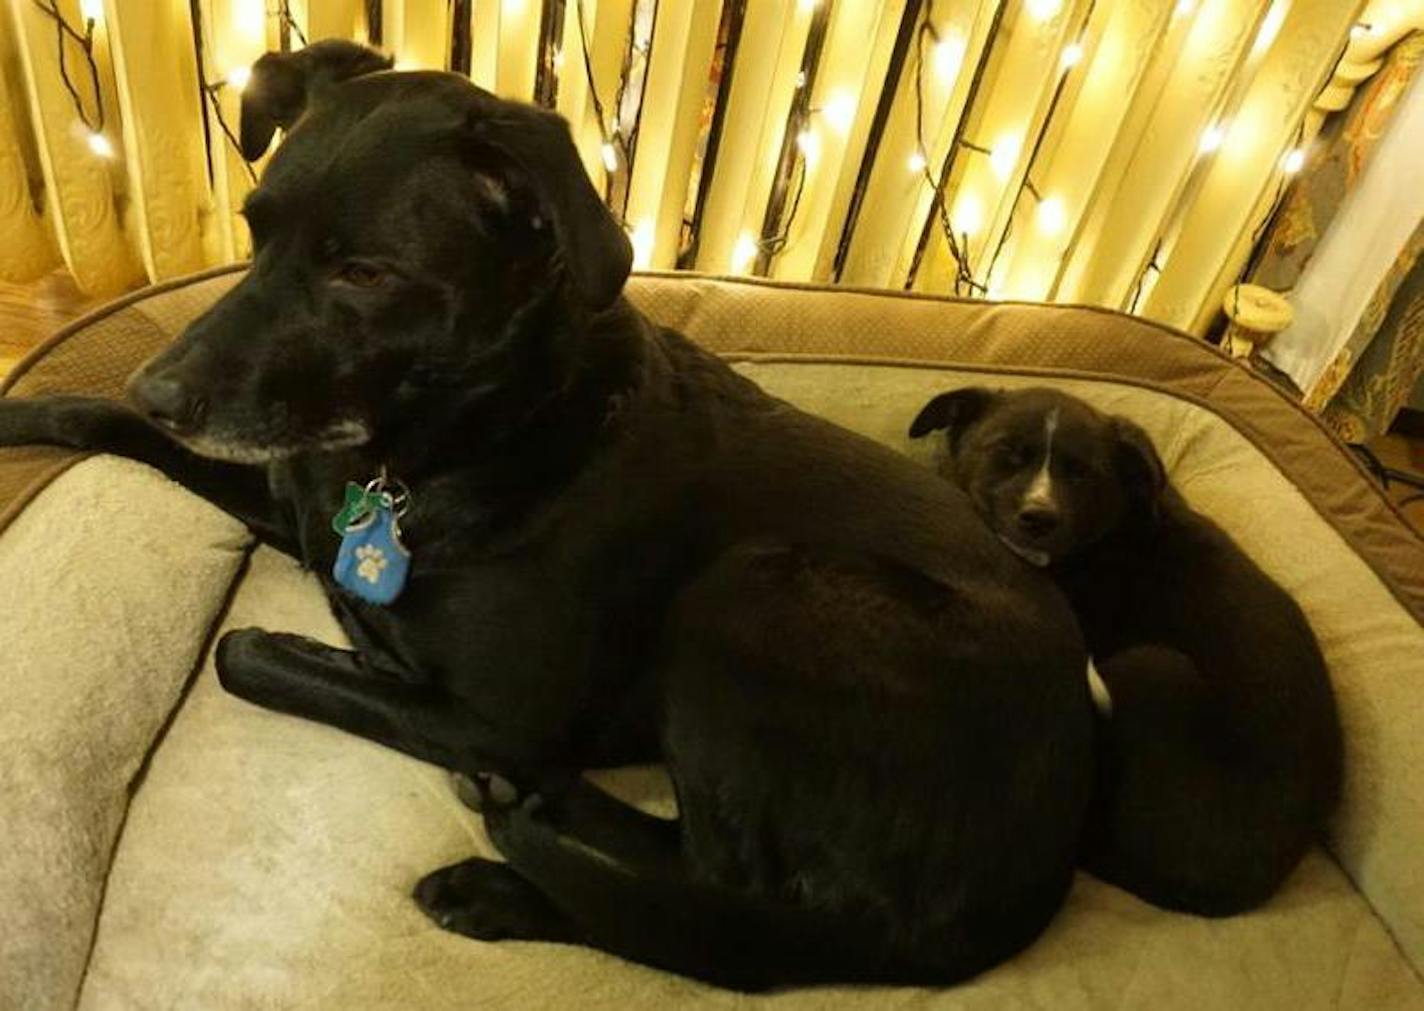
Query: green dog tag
{"x": 359, "y": 502}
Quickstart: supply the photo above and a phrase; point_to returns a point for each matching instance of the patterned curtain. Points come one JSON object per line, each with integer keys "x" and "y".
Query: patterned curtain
{"x": 1371, "y": 376}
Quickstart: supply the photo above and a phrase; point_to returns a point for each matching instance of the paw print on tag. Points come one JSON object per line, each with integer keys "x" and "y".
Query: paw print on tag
{"x": 370, "y": 560}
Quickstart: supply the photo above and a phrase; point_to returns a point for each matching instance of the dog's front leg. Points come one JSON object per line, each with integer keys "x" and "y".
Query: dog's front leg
{"x": 106, "y": 426}
{"x": 302, "y": 677}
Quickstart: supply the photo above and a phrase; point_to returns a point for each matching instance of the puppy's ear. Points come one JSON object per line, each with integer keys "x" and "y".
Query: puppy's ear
{"x": 1138, "y": 464}
{"x": 282, "y": 83}
{"x": 595, "y": 251}
{"x": 955, "y": 411}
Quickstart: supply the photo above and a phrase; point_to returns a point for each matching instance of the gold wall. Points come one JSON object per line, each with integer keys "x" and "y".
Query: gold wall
{"x": 1117, "y": 152}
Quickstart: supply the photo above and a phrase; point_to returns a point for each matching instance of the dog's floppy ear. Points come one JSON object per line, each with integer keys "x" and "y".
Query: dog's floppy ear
{"x": 1138, "y": 463}
{"x": 281, "y": 83}
{"x": 595, "y": 251}
{"x": 955, "y": 411}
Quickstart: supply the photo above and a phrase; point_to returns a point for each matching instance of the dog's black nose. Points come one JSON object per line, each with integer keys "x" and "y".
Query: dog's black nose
{"x": 1038, "y": 521}
{"x": 165, "y": 401}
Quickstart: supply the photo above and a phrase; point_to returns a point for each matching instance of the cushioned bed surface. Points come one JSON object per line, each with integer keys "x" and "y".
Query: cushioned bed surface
{"x": 266, "y": 862}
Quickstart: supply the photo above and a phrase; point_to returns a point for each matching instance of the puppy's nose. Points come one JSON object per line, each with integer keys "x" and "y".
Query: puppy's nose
{"x": 166, "y": 402}
{"x": 1037, "y": 520}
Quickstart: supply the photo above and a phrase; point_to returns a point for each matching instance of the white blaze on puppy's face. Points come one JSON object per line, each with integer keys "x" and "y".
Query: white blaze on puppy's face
{"x": 1040, "y": 492}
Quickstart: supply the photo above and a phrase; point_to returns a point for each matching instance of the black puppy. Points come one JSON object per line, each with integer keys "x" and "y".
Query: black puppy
{"x": 619, "y": 551}
{"x": 1220, "y": 750}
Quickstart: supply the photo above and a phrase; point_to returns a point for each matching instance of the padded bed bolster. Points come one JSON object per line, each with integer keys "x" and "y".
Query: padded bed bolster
{"x": 110, "y": 582}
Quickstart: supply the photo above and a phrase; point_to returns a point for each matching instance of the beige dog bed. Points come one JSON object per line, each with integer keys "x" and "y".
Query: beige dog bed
{"x": 166, "y": 845}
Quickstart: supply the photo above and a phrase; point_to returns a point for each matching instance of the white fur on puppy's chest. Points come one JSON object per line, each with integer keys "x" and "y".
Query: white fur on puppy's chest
{"x": 1040, "y": 492}
{"x": 1102, "y": 700}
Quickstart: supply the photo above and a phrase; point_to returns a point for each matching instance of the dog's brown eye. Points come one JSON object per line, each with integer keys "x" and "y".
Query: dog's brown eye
{"x": 362, "y": 275}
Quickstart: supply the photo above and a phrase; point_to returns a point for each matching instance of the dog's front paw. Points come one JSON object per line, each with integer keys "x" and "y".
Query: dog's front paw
{"x": 25, "y": 422}
{"x": 241, "y": 657}
{"x": 489, "y": 901}
{"x": 253, "y": 663}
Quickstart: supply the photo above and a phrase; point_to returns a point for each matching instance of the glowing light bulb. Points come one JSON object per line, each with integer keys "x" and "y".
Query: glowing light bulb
{"x": 558, "y": 59}
{"x": 1005, "y": 154}
{"x": 91, "y": 10}
{"x": 810, "y": 146}
{"x": 743, "y": 253}
{"x": 1270, "y": 27}
{"x": 808, "y": 5}
{"x": 1043, "y": 10}
{"x": 1072, "y": 56}
{"x": 1184, "y": 8}
{"x": 100, "y": 145}
{"x": 839, "y": 110}
{"x": 916, "y": 162}
{"x": 610, "y": 156}
{"x": 513, "y": 6}
{"x": 238, "y": 77}
{"x": 250, "y": 18}
{"x": 643, "y": 239}
{"x": 1052, "y": 216}
{"x": 1294, "y": 161}
{"x": 1211, "y": 139}
{"x": 948, "y": 56}
{"x": 968, "y": 215}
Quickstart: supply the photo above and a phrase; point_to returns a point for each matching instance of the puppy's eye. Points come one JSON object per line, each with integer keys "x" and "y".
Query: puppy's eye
{"x": 362, "y": 275}
{"x": 1010, "y": 455}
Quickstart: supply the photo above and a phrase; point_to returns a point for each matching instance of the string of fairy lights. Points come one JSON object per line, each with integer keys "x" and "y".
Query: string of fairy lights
{"x": 92, "y": 11}
{"x": 612, "y": 143}
{"x": 926, "y": 49}
{"x": 212, "y": 92}
{"x": 1215, "y": 135}
{"x": 800, "y": 149}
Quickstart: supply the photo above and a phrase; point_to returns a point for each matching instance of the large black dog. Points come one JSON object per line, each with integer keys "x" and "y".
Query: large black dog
{"x": 875, "y": 718}
{"x": 1220, "y": 744}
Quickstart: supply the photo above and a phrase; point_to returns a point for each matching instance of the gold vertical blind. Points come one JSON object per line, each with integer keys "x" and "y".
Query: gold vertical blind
{"x": 1124, "y": 153}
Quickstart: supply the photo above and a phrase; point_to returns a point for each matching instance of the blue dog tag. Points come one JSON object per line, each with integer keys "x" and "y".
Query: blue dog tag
{"x": 371, "y": 563}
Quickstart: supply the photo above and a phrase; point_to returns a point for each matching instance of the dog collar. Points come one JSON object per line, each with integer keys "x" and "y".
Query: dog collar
{"x": 372, "y": 563}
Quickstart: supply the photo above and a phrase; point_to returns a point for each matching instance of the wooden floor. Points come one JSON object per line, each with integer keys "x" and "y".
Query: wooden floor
{"x": 31, "y": 312}
{"x": 1406, "y": 453}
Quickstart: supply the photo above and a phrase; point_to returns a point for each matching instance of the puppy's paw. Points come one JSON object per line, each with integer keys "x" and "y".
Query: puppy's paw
{"x": 489, "y": 901}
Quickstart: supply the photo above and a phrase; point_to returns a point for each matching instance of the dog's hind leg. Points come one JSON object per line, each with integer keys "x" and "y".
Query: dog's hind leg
{"x": 592, "y": 870}
{"x": 306, "y": 678}
{"x": 106, "y": 426}
{"x": 491, "y": 901}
